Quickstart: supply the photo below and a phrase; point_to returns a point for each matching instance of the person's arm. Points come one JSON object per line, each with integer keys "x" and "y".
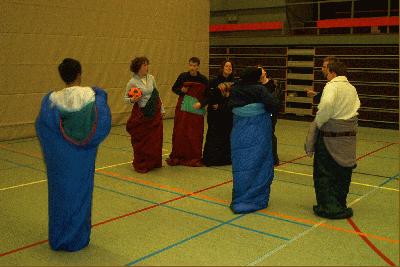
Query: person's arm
{"x": 271, "y": 103}
{"x": 155, "y": 87}
{"x": 325, "y": 107}
{"x": 128, "y": 99}
{"x": 207, "y": 93}
{"x": 318, "y": 96}
{"x": 177, "y": 87}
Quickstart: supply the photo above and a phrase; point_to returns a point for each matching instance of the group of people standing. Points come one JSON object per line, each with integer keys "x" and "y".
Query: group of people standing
{"x": 241, "y": 116}
{"x": 196, "y": 97}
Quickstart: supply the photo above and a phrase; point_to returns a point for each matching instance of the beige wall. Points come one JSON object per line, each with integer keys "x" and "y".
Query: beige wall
{"x": 35, "y": 35}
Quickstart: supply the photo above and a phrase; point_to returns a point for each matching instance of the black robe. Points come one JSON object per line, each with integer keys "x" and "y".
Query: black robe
{"x": 276, "y": 92}
{"x": 217, "y": 148}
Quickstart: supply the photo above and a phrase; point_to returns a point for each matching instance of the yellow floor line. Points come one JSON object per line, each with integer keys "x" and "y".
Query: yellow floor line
{"x": 362, "y": 184}
{"x": 123, "y": 163}
{"x": 114, "y": 165}
{"x": 41, "y": 181}
{"x": 375, "y": 186}
{"x": 21, "y": 185}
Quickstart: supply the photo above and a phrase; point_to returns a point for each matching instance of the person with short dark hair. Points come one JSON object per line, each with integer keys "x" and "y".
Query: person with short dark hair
{"x": 251, "y": 145}
{"x": 187, "y": 137}
{"x": 324, "y": 68}
{"x": 145, "y": 124}
{"x": 217, "y": 148}
{"x": 71, "y": 124}
{"x": 332, "y": 137}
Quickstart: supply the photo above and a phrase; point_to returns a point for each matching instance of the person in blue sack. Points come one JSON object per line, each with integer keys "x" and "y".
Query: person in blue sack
{"x": 71, "y": 124}
{"x": 251, "y": 142}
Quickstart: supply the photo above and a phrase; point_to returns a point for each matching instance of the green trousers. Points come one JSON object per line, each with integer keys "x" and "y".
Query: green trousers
{"x": 331, "y": 184}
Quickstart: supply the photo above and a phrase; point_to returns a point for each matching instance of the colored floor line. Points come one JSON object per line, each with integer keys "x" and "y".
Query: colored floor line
{"x": 293, "y": 160}
{"x": 357, "y": 172}
{"x": 263, "y": 257}
{"x": 219, "y": 203}
{"x": 182, "y": 241}
{"x": 356, "y": 183}
{"x": 109, "y": 220}
{"x": 376, "y": 150}
{"x": 370, "y": 244}
{"x": 196, "y": 214}
{"x": 21, "y": 185}
{"x": 322, "y": 223}
{"x": 292, "y": 218}
{"x": 115, "y": 218}
{"x": 34, "y": 155}
{"x": 276, "y": 214}
{"x": 310, "y": 175}
{"x": 282, "y": 164}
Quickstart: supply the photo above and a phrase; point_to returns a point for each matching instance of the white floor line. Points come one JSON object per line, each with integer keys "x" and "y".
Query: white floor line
{"x": 270, "y": 253}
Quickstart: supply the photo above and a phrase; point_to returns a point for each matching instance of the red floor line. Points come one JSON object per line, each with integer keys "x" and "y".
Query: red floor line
{"x": 369, "y": 243}
{"x": 24, "y": 247}
{"x": 122, "y": 216}
{"x": 372, "y": 152}
{"x": 293, "y": 160}
{"x": 171, "y": 200}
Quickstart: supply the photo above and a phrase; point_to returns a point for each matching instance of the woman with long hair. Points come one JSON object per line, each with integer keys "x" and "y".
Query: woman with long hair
{"x": 217, "y": 148}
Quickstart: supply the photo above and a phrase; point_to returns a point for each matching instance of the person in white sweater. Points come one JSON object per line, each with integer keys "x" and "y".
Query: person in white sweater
{"x": 145, "y": 124}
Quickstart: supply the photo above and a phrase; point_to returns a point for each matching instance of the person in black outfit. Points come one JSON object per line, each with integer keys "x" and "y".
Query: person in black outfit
{"x": 273, "y": 88}
{"x": 217, "y": 148}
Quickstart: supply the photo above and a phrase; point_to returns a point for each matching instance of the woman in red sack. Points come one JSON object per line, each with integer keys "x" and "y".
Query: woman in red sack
{"x": 187, "y": 137}
{"x": 145, "y": 124}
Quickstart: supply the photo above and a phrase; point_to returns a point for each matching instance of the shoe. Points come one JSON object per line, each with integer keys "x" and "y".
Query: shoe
{"x": 344, "y": 214}
{"x": 145, "y": 170}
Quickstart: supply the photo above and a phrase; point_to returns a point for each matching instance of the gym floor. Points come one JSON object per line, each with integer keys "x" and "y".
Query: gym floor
{"x": 180, "y": 215}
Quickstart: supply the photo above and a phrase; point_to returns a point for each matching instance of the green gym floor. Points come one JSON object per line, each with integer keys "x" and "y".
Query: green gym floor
{"x": 180, "y": 215}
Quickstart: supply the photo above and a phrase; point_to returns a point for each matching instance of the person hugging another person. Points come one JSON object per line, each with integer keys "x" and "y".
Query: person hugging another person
{"x": 145, "y": 124}
{"x": 273, "y": 88}
{"x": 251, "y": 145}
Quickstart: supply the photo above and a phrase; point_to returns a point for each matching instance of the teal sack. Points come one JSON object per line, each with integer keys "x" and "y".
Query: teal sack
{"x": 187, "y": 105}
{"x": 79, "y": 124}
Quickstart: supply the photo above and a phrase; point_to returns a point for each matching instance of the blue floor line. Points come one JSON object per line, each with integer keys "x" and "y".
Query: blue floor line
{"x": 195, "y": 214}
{"x": 23, "y": 165}
{"x": 394, "y": 177}
{"x": 182, "y": 241}
{"x": 199, "y": 199}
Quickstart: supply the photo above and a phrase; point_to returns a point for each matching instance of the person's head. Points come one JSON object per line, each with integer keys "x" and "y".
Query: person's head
{"x": 336, "y": 69}
{"x": 140, "y": 66}
{"x": 194, "y": 65}
{"x": 251, "y": 75}
{"x": 226, "y": 68}
{"x": 325, "y": 63}
{"x": 70, "y": 71}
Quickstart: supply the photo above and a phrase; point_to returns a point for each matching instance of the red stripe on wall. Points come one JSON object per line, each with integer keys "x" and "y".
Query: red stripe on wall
{"x": 258, "y": 26}
{"x": 358, "y": 22}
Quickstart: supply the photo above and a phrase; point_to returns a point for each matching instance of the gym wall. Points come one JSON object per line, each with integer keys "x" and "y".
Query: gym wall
{"x": 104, "y": 35}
